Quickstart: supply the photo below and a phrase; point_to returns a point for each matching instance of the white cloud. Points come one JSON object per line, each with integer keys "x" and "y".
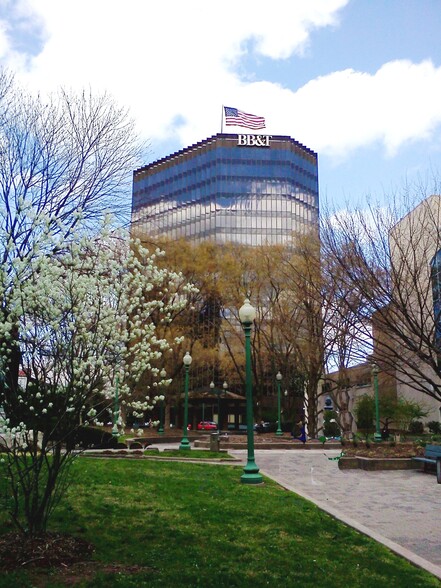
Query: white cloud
{"x": 346, "y": 110}
{"x": 4, "y": 41}
{"x": 168, "y": 59}
{"x": 175, "y": 63}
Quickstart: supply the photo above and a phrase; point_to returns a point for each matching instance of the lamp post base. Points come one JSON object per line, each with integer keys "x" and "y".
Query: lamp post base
{"x": 251, "y": 474}
{"x": 378, "y": 437}
{"x": 279, "y": 433}
{"x": 185, "y": 444}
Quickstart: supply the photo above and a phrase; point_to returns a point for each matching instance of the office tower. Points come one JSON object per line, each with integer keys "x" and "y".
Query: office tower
{"x": 249, "y": 189}
{"x": 243, "y": 188}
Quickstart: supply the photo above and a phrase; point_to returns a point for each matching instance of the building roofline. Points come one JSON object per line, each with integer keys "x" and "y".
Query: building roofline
{"x": 425, "y": 202}
{"x": 213, "y": 138}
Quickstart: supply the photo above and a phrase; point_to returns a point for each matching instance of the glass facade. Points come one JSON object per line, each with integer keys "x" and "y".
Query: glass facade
{"x": 249, "y": 189}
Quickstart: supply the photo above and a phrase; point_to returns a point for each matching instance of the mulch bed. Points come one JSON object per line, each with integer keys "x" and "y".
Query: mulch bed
{"x": 46, "y": 550}
{"x": 383, "y": 449}
{"x": 60, "y": 557}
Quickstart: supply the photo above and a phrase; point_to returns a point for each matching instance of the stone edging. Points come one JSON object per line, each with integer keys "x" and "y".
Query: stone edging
{"x": 377, "y": 463}
{"x": 267, "y": 445}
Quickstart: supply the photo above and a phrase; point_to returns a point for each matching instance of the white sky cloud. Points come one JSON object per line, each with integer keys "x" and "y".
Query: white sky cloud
{"x": 349, "y": 109}
{"x": 175, "y": 63}
{"x": 4, "y": 42}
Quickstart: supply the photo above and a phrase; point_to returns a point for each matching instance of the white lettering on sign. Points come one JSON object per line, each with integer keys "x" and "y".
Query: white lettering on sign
{"x": 254, "y": 140}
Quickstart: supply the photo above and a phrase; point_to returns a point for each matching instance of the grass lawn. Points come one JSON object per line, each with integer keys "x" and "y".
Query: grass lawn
{"x": 195, "y": 525}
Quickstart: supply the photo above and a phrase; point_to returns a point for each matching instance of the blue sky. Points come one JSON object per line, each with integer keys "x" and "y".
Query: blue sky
{"x": 358, "y": 81}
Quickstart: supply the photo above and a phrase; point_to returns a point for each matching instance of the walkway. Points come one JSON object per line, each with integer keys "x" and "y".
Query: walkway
{"x": 401, "y": 509}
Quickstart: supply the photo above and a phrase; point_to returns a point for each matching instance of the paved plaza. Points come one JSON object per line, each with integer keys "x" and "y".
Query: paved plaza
{"x": 401, "y": 509}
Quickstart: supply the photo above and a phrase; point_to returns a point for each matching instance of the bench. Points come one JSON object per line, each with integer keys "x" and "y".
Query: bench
{"x": 432, "y": 457}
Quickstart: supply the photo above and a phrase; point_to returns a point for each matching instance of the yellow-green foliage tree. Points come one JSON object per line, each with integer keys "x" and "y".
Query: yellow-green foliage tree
{"x": 295, "y": 330}
{"x": 197, "y": 327}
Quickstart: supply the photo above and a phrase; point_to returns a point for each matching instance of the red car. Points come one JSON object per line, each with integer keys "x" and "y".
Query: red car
{"x": 207, "y": 426}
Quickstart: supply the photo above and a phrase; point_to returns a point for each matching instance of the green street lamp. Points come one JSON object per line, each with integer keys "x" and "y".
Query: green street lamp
{"x": 115, "y": 433}
{"x": 377, "y": 435}
{"x": 163, "y": 375}
{"x": 279, "y": 428}
{"x": 218, "y": 393}
{"x": 212, "y": 387}
{"x": 225, "y": 387}
{"x": 250, "y": 475}
{"x": 185, "y": 443}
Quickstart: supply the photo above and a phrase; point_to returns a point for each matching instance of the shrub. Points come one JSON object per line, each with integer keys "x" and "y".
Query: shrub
{"x": 365, "y": 413}
{"x": 434, "y": 427}
{"x": 135, "y": 445}
{"x": 416, "y": 428}
{"x": 330, "y": 425}
{"x": 92, "y": 437}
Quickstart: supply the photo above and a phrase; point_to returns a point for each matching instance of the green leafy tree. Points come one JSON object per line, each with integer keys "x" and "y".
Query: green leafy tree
{"x": 399, "y": 411}
{"x": 407, "y": 411}
{"x": 365, "y": 413}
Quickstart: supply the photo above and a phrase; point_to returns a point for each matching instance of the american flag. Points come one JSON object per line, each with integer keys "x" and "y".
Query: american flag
{"x": 235, "y": 117}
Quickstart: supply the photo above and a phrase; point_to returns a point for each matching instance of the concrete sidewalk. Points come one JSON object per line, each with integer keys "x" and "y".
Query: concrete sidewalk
{"x": 401, "y": 509}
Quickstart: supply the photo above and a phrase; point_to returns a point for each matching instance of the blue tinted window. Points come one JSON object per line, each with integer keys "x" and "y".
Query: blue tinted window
{"x": 246, "y": 194}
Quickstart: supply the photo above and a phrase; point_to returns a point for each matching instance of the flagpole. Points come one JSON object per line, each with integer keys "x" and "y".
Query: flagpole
{"x": 222, "y": 120}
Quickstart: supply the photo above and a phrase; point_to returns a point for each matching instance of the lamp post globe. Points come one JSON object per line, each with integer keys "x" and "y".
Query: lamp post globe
{"x": 247, "y": 313}
{"x": 203, "y": 404}
{"x": 250, "y": 475}
{"x": 185, "y": 443}
{"x": 279, "y": 431}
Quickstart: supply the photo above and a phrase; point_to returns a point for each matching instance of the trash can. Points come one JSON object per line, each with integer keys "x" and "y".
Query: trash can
{"x": 214, "y": 442}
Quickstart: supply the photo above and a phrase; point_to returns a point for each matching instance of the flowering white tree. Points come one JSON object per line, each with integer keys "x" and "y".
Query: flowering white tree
{"x": 64, "y": 161}
{"x": 78, "y": 310}
{"x": 80, "y": 319}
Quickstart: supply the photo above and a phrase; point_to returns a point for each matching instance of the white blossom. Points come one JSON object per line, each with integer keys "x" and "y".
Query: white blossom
{"x": 84, "y": 318}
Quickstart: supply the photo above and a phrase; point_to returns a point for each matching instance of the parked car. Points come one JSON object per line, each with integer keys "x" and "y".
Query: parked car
{"x": 265, "y": 427}
{"x": 207, "y": 426}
